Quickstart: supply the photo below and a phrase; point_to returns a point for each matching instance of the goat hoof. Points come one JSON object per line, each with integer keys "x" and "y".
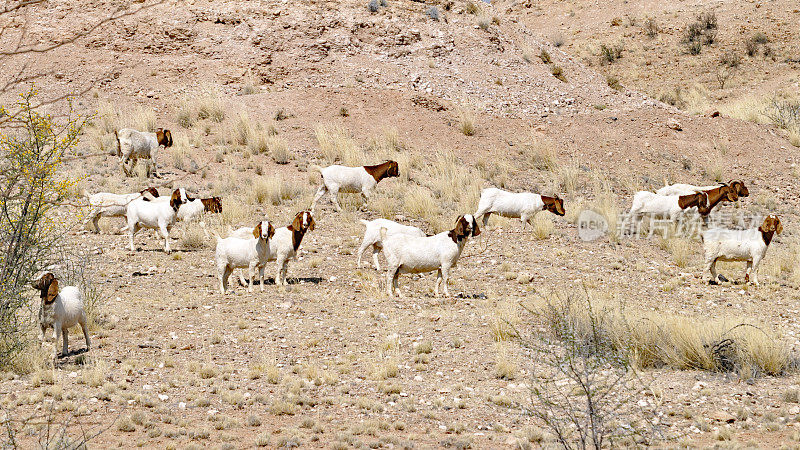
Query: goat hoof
{"x": 722, "y": 278}
{"x": 713, "y": 282}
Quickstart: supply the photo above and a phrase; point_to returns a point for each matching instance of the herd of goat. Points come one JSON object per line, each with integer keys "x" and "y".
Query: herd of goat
{"x": 407, "y": 249}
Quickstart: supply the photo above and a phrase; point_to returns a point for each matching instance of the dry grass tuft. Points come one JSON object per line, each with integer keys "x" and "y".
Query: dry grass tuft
{"x": 112, "y": 118}
{"x": 505, "y": 366}
{"x": 540, "y": 154}
{"x": 337, "y": 146}
{"x": 467, "y": 122}
{"x": 193, "y": 237}
{"x": 681, "y": 251}
{"x": 654, "y": 339}
{"x": 542, "y": 226}
{"x": 274, "y": 190}
{"x": 278, "y": 149}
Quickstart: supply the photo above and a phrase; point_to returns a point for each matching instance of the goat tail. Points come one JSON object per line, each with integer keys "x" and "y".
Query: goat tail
{"x": 383, "y": 233}
{"x": 84, "y": 193}
{"x": 315, "y": 167}
{"x": 365, "y": 222}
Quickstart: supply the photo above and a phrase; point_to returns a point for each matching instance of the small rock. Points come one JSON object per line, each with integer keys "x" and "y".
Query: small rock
{"x": 723, "y": 416}
{"x": 524, "y": 278}
{"x": 673, "y": 123}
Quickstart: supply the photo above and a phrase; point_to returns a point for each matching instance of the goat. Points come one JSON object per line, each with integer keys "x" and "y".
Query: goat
{"x": 685, "y": 189}
{"x": 106, "y": 204}
{"x": 133, "y": 144}
{"x": 61, "y": 310}
{"x": 237, "y": 252}
{"x": 414, "y": 254}
{"x": 372, "y": 236}
{"x": 523, "y": 205}
{"x": 669, "y": 206}
{"x": 739, "y": 245}
{"x": 284, "y": 245}
{"x": 142, "y": 213}
{"x": 359, "y": 180}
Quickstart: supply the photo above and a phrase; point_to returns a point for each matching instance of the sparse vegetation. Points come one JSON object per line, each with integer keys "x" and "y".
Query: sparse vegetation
{"x": 613, "y": 82}
{"x": 467, "y": 123}
{"x": 558, "y": 72}
{"x": 651, "y": 27}
{"x": 703, "y": 31}
{"x": 611, "y": 53}
{"x": 545, "y": 56}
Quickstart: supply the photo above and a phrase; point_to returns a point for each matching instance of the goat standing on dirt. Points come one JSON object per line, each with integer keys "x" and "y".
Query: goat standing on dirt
{"x": 239, "y": 252}
{"x": 357, "y": 180}
{"x": 414, "y": 254}
{"x": 133, "y": 145}
{"x": 739, "y": 245}
{"x": 61, "y": 310}
{"x": 522, "y": 205}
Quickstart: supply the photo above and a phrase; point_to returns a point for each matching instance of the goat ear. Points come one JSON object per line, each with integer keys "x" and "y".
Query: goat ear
{"x": 461, "y": 226}
{"x": 52, "y": 292}
{"x": 311, "y": 223}
{"x": 175, "y": 200}
{"x": 475, "y": 229}
{"x": 257, "y": 231}
{"x": 297, "y": 223}
{"x": 778, "y": 226}
{"x": 270, "y": 230}
{"x": 169, "y": 138}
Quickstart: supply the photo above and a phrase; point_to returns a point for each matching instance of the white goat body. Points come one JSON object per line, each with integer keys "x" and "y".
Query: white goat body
{"x": 372, "y": 236}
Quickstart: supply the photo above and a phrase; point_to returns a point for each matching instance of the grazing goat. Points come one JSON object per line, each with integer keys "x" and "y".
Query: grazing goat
{"x": 237, "y": 252}
{"x": 106, "y": 204}
{"x": 61, "y": 310}
{"x": 284, "y": 245}
{"x": 666, "y": 206}
{"x": 739, "y": 245}
{"x": 685, "y": 189}
{"x": 523, "y": 205}
{"x": 359, "y": 180}
{"x": 133, "y": 144}
{"x": 142, "y": 213}
{"x": 372, "y": 236}
{"x": 414, "y": 254}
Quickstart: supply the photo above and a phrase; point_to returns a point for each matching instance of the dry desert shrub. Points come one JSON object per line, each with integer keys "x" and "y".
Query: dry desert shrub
{"x": 542, "y": 226}
{"x": 505, "y": 367}
{"x": 612, "y": 52}
{"x": 337, "y": 146}
{"x": 274, "y": 190}
{"x": 540, "y": 154}
{"x": 206, "y": 104}
{"x": 681, "y": 251}
{"x": 278, "y": 149}
{"x": 658, "y": 339}
{"x": 466, "y": 122}
{"x": 193, "y": 237}
{"x": 112, "y": 118}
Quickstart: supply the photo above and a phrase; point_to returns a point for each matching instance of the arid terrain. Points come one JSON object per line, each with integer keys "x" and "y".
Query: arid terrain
{"x": 256, "y": 92}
